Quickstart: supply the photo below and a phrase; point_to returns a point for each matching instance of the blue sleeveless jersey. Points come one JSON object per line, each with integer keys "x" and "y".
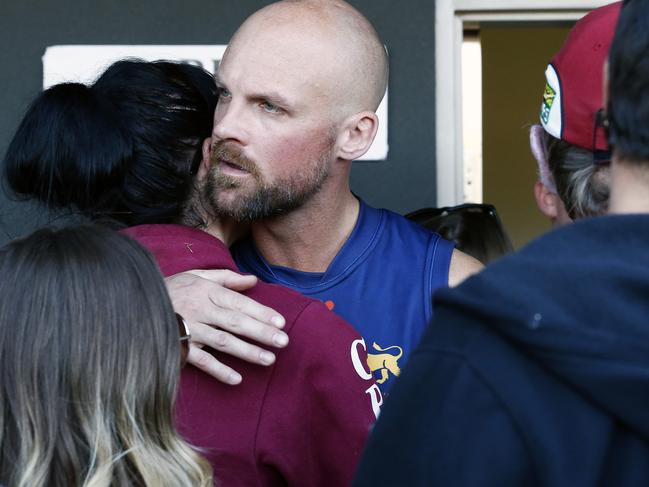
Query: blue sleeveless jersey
{"x": 381, "y": 282}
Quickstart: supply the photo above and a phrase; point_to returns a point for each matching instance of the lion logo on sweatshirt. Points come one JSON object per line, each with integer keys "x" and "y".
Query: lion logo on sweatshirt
{"x": 385, "y": 363}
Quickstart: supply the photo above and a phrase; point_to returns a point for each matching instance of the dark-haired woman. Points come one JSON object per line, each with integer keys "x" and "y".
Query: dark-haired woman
{"x": 128, "y": 149}
{"x": 82, "y": 403}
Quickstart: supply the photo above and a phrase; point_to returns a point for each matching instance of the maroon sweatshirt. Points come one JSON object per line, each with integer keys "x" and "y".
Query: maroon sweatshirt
{"x": 302, "y": 421}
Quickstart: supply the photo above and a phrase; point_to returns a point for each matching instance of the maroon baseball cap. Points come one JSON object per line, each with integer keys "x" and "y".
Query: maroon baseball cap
{"x": 574, "y": 81}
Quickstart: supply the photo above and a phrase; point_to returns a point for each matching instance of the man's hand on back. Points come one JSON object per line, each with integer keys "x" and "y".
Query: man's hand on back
{"x": 217, "y": 315}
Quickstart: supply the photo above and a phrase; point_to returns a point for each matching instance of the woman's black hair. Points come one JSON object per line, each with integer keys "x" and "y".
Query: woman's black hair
{"x": 125, "y": 148}
{"x": 70, "y": 149}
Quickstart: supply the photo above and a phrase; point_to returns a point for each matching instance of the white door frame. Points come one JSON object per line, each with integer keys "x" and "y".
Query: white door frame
{"x": 450, "y": 16}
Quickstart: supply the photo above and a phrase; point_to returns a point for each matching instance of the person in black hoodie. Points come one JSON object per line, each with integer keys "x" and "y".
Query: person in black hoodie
{"x": 536, "y": 371}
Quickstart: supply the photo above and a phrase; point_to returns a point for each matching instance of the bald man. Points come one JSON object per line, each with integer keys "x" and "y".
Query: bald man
{"x": 300, "y": 83}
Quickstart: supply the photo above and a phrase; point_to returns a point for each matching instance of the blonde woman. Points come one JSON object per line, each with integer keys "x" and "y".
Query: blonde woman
{"x": 82, "y": 402}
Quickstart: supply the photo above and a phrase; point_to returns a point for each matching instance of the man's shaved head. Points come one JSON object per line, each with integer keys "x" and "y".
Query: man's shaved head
{"x": 299, "y": 84}
{"x": 353, "y": 61}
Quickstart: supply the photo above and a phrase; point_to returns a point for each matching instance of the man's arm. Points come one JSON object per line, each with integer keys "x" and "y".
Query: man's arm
{"x": 217, "y": 315}
{"x": 462, "y": 266}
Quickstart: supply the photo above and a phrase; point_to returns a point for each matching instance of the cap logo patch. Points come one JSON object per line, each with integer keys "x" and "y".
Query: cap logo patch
{"x": 548, "y": 100}
{"x": 551, "y": 105}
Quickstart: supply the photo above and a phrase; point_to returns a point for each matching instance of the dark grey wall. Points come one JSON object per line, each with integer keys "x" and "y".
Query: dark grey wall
{"x": 404, "y": 182}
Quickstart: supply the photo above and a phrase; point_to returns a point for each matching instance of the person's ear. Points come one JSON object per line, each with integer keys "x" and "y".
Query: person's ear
{"x": 546, "y": 200}
{"x": 356, "y": 135}
{"x": 204, "y": 167}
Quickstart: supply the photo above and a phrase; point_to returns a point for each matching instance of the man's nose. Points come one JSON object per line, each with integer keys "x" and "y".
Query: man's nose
{"x": 229, "y": 123}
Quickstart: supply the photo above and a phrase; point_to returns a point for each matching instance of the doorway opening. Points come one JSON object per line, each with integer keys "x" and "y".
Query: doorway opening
{"x": 489, "y": 91}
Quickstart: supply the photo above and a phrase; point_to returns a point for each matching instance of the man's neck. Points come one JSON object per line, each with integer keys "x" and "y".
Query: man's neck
{"x": 226, "y": 230}
{"x": 309, "y": 238}
{"x": 198, "y": 214}
{"x": 629, "y": 187}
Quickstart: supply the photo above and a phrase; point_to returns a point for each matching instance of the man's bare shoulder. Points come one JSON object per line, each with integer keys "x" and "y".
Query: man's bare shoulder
{"x": 462, "y": 266}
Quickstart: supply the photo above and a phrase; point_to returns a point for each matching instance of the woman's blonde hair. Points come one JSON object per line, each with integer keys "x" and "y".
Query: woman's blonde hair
{"x": 90, "y": 359}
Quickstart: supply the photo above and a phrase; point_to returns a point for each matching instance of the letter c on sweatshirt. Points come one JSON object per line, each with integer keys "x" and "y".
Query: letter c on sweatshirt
{"x": 356, "y": 360}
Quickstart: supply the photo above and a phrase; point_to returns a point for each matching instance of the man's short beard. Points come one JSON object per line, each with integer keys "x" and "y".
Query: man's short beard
{"x": 267, "y": 200}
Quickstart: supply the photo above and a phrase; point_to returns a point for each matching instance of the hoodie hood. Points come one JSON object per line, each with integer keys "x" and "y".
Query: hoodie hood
{"x": 575, "y": 301}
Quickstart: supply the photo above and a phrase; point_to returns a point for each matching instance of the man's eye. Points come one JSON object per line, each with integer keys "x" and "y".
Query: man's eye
{"x": 269, "y": 107}
{"x": 223, "y": 93}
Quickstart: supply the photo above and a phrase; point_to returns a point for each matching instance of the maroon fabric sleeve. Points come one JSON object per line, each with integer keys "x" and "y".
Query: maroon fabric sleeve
{"x": 319, "y": 404}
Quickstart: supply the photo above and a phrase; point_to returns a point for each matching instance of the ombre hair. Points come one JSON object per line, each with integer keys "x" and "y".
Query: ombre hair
{"x": 89, "y": 354}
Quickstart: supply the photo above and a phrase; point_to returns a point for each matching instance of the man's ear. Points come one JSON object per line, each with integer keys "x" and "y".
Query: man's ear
{"x": 546, "y": 200}
{"x": 204, "y": 167}
{"x": 357, "y": 134}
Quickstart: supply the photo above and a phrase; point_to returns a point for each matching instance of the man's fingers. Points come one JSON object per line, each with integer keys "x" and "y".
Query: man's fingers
{"x": 227, "y": 278}
{"x": 208, "y": 364}
{"x": 193, "y": 296}
{"x": 239, "y": 282}
{"x": 204, "y": 302}
{"x": 226, "y": 342}
{"x": 243, "y": 305}
{"x": 243, "y": 325}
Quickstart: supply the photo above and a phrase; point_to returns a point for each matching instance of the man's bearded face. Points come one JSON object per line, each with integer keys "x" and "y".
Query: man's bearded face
{"x": 237, "y": 188}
